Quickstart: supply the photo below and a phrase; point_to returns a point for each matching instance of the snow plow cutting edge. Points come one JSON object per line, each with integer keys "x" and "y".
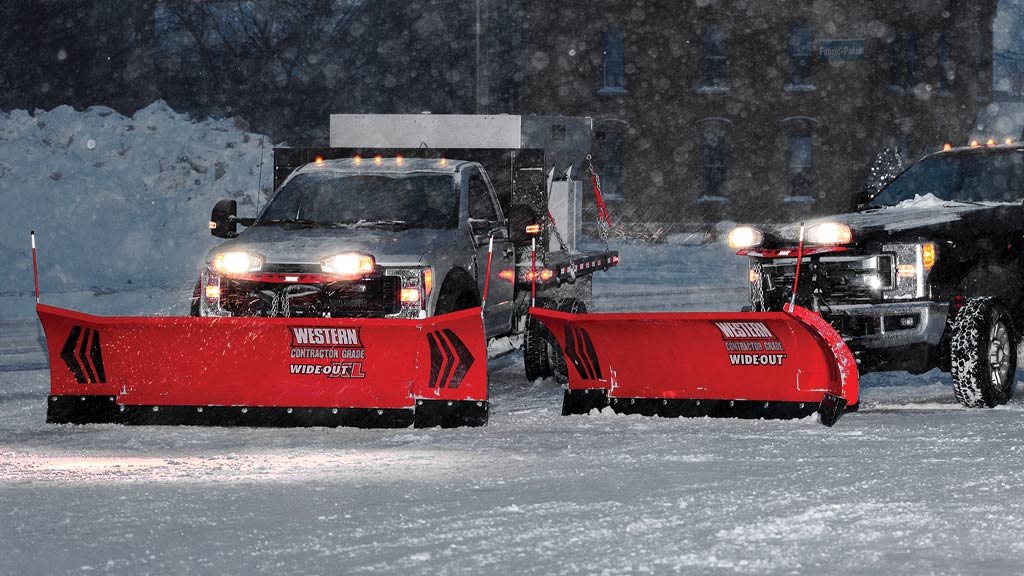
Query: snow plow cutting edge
{"x": 748, "y": 365}
{"x": 266, "y": 371}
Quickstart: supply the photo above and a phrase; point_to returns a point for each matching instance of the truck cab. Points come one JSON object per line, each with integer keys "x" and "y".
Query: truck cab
{"x": 385, "y": 237}
{"x": 926, "y": 273}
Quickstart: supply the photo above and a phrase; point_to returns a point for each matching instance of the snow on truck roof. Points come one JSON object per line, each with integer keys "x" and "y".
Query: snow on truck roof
{"x": 385, "y": 165}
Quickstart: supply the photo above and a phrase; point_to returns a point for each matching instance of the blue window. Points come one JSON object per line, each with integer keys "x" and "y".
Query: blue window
{"x": 800, "y": 158}
{"x": 903, "y": 60}
{"x": 945, "y": 68}
{"x": 801, "y": 55}
{"x": 613, "y": 79}
{"x": 716, "y": 57}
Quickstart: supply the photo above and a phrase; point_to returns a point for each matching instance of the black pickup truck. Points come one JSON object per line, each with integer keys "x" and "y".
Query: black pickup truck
{"x": 926, "y": 273}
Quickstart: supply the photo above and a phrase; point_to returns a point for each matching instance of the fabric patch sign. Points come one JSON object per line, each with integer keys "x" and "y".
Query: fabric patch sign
{"x": 848, "y": 50}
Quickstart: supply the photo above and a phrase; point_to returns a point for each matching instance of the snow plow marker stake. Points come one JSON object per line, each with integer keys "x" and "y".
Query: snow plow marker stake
{"x": 35, "y": 268}
{"x": 748, "y": 365}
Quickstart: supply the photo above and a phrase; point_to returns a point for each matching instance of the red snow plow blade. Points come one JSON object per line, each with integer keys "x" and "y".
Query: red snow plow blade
{"x": 745, "y": 365}
{"x": 266, "y": 371}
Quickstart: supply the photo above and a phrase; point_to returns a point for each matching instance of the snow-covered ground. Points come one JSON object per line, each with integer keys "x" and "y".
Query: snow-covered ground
{"x": 910, "y": 484}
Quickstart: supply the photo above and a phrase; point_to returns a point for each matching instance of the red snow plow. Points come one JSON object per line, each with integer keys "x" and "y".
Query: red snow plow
{"x": 748, "y": 365}
{"x": 266, "y": 371}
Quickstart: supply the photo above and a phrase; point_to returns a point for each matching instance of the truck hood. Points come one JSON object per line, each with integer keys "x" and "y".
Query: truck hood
{"x": 308, "y": 246}
{"x": 906, "y": 219}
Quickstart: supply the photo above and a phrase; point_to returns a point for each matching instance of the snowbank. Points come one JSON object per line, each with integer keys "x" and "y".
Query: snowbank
{"x": 118, "y": 202}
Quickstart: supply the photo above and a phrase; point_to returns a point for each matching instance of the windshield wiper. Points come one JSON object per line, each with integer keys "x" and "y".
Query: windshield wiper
{"x": 296, "y": 222}
{"x": 370, "y": 223}
{"x": 970, "y": 202}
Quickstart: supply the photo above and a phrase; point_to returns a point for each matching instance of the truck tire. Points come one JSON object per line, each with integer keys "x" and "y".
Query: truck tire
{"x": 983, "y": 354}
{"x": 194, "y": 301}
{"x": 535, "y": 350}
{"x": 559, "y": 369}
{"x": 542, "y": 356}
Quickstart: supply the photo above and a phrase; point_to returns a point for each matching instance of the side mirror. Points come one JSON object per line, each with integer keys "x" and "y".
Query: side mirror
{"x": 223, "y": 222}
{"x": 865, "y": 196}
{"x": 524, "y": 224}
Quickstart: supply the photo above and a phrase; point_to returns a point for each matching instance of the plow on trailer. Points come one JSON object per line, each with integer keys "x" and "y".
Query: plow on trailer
{"x": 747, "y": 365}
{"x": 267, "y": 371}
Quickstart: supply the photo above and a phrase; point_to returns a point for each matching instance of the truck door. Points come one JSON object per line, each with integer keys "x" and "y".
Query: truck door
{"x": 486, "y": 221}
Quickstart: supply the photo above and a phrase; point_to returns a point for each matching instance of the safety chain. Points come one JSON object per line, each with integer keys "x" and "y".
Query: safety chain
{"x": 604, "y": 220}
{"x": 281, "y": 304}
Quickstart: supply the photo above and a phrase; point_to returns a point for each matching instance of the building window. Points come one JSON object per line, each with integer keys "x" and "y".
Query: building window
{"x": 945, "y": 68}
{"x": 715, "y": 155}
{"x": 910, "y": 60}
{"x": 903, "y": 61}
{"x": 799, "y": 131}
{"x": 903, "y": 139}
{"x": 613, "y": 69}
{"x": 800, "y": 165}
{"x": 716, "y": 58}
{"x": 801, "y": 57}
{"x": 610, "y": 135}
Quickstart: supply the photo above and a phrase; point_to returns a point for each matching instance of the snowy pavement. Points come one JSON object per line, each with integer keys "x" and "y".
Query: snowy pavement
{"x": 910, "y": 484}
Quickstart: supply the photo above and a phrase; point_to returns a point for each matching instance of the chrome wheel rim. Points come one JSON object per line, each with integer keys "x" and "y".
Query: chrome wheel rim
{"x": 999, "y": 354}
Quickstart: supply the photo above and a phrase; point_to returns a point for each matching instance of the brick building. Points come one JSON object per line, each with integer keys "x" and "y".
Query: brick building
{"x": 755, "y": 109}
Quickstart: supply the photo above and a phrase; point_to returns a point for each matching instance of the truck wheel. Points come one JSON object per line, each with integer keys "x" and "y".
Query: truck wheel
{"x": 983, "y": 354}
{"x": 541, "y": 353}
{"x": 535, "y": 350}
{"x": 194, "y": 301}
{"x": 558, "y": 367}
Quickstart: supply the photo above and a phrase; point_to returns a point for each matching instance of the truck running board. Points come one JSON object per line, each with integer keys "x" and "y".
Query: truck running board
{"x": 266, "y": 371}
{"x": 744, "y": 365}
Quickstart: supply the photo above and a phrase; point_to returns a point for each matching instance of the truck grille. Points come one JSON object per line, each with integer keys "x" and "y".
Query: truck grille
{"x": 373, "y": 297}
{"x": 839, "y": 278}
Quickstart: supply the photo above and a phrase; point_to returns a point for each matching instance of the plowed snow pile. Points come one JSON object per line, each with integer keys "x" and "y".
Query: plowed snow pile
{"x": 118, "y": 202}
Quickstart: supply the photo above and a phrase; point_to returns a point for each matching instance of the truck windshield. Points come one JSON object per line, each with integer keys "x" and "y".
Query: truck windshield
{"x": 331, "y": 199}
{"x": 988, "y": 176}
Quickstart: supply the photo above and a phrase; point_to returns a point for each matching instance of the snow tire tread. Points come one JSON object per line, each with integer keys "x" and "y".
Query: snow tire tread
{"x": 972, "y": 381}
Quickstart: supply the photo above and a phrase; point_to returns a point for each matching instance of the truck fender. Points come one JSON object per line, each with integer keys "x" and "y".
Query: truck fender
{"x": 982, "y": 280}
{"x": 458, "y": 291}
{"x": 996, "y": 281}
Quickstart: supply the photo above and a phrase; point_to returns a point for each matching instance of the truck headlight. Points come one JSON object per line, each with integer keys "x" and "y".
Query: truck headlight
{"x": 348, "y": 264}
{"x": 829, "y": 233}
{"x": 913, "y": 262}
{"x": 745, "y": 237}
{"x": 236, "y": 263}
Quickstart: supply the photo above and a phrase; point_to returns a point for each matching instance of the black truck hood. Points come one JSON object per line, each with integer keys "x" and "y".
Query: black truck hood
{"x": 922, "y": 220}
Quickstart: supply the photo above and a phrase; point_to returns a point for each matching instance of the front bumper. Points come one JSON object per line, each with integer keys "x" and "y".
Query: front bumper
{"x": 891, "y": 336}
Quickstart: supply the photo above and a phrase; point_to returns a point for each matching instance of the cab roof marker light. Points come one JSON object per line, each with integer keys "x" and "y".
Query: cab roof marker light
{"x": 947, "y": 147}
{"x": 990, "y": 142}
{"x": 378, "y": 159}
{"x": 1008, "y": 141}
{"x": 975, "y": 144}
{"x": 444, "y": 161}
{"x": 358, "y": 159}
{"x": 319, "y": 160}
{"x": 399, "y": 160}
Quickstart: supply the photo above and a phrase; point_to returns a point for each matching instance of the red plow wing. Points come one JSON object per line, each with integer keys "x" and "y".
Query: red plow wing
{"x": 266, "y": 371}
{"x": 747, "y": 365}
